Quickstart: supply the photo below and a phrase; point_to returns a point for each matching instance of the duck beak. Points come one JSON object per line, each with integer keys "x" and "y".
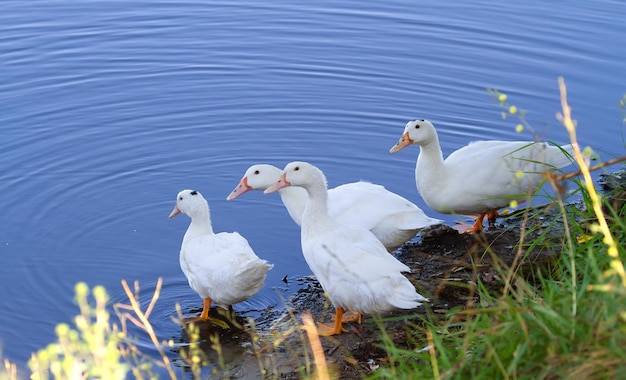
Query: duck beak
{"x": 174, "y": 212}
{"x": 404, "y": 141}
{"x": 242, "y": 188}
{"x": 282, "y": 182}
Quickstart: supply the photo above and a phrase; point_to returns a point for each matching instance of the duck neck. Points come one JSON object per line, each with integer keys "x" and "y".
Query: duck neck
{"x": 294, "y": 199}
{"x": 315, "y": 216}
{"x": 430, "y": 165}
{"x": 200, "y": 225}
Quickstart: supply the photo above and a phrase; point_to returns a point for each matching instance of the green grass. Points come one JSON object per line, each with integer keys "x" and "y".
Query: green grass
{"x": 554, "y": 329}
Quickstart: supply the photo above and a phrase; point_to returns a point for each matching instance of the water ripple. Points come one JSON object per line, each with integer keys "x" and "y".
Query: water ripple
{"x": 108, "y": 111}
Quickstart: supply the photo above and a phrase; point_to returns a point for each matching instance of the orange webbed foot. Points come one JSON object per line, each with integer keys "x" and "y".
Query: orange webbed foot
{"x": 478, "y": 223}
{"x": 463, "y": 228}
{"x": 334, "y": 329}
{"x": 352, "y": 316}
{"x": 326, "y": 329}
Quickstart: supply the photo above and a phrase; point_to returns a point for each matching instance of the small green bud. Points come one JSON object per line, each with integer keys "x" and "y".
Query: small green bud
{"x": 81, "y": 290}
{"x": 100, "y": 293}
{"x": 62, "y": 329}
{"x": 73, "y": 335}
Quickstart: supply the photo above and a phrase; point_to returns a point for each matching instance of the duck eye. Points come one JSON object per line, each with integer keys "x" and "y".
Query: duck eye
{"x": 180, "y": 198}
{"x": 194, "y": 192}
{"x": 256, "y": 172}
{"x": 296, "y": 168}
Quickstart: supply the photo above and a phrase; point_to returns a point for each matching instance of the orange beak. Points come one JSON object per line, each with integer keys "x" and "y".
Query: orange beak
{"x": 242, "y": 188}
{"x": 282, "y": 182}
{"x": 404, "y": 141}
{"x": 174, "y": 212}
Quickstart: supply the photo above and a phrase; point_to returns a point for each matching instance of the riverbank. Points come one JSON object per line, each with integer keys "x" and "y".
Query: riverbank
{"x": 445, "y": 267}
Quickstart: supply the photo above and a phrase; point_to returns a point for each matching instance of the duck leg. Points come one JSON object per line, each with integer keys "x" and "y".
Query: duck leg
{"x": 205, "y": 309}
{"x": 204, "y": 316}
{"x": 478, "y": 224}
{"x": 336, "y": 328}
{"x": 491, "y": 217}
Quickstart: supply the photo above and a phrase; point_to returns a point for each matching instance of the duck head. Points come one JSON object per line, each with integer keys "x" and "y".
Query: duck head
{"x": 189, "y": 202}
{"x": 257, "y": 177}
{"x": 418, "y": 132}
{"x": 297, "y": 173}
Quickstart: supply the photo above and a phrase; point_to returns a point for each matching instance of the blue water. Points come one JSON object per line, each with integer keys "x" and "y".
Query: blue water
{"x": 108, "y": 109}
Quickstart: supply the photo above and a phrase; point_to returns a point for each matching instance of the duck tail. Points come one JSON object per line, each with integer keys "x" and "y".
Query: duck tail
{"x": 407, "y": 297}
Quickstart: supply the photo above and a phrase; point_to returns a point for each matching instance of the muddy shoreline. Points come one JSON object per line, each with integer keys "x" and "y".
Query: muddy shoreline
{"x": 444, "y": 266}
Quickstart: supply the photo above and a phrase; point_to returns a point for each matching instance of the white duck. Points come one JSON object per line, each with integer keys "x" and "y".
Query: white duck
{"x": 481, "y": 177}
{"x": 393, "y": 219}
{"x": 221, "y": 268}
{"x": 351, "y": 264}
